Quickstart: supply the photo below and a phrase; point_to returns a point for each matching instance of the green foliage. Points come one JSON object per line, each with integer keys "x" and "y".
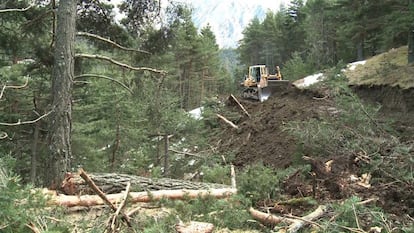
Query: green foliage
{"x": 296, "y": 68}
{"x": 230, "y": 213}
{"x": 351, "y": 214}
{"x": 20, "y": 205}
{"x": 258, "y": 182}
{"x": 355, "y": 127}
{"x": 216, "y": 174}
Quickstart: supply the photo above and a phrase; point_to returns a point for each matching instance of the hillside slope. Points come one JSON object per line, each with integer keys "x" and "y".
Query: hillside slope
{"x": 266, "y": 136}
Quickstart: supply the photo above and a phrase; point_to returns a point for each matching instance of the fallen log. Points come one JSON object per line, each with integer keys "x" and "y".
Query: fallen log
{"x": 134, "y": 197}
{"x": 111, "y": 183}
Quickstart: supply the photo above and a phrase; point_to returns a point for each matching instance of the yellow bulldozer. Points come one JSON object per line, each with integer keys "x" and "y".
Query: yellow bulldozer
{"x": 258, "y": 84}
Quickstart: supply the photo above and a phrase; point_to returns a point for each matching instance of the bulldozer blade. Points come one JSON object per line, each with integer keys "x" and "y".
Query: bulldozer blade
{"x": 273, "y": 86}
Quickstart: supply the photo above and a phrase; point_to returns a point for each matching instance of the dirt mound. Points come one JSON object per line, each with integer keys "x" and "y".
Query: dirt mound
{"x": 263, "y": 137}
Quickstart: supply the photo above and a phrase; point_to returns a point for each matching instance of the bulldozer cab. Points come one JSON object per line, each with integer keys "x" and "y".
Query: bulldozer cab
{"x": 257, "y": 72}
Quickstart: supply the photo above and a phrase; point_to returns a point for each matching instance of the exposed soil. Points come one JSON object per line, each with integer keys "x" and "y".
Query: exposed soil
{"x": 264, "y": 138}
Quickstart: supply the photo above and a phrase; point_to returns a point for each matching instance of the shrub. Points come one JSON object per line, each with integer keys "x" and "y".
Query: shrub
{"x": 18, "y": 204}
{"x": 258, "y": 182}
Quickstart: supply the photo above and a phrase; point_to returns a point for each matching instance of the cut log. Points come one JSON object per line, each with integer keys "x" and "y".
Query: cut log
{"x": 115, "y": 183}
{"x": 134, "y": 197}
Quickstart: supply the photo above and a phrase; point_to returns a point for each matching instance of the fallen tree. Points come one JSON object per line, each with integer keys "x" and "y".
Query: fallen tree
{"x": 92, "y": 200}
{"x": 111, "y": 183}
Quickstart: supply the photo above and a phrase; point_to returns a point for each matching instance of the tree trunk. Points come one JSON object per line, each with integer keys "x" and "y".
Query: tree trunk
{"x": 411, "y": 37}
{"x": 60, "y": 124}
{"x": 116, "y": 183}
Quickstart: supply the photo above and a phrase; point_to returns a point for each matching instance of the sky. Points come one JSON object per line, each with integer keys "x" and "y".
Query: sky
{"x": 270, "y": 4}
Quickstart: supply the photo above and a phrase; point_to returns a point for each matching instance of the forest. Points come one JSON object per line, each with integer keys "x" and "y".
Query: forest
{"x": 80, "y": 89}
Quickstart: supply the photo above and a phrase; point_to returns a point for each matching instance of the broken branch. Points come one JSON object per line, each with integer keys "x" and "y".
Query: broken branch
{"x": 233, "y": 176}
{"x": 227, "y": 121}
{"x": 121, "y": 206}
{"x": 268, "y": 219}
{"x": 91, "y": 184}
{"x": 301, "y": 222}
{"x": 240, "y": 105}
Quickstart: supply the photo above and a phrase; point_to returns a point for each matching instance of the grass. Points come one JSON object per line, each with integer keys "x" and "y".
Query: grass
{"x": 389, "y": 68}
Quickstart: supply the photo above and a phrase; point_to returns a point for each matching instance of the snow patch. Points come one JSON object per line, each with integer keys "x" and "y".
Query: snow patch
{"x": 353, "y": 65}
{"x": 197, "y": 113}
{"x": 309, "y": 80}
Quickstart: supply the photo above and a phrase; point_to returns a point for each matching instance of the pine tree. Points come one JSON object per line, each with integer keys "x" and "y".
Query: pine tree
{"x": 60, "y": 128}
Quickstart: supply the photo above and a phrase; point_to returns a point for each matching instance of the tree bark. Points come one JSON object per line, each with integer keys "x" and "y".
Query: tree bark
{"x": 116, "y": 183}
{"x": 60, "y": 125}
{"x": 411, "y": 36}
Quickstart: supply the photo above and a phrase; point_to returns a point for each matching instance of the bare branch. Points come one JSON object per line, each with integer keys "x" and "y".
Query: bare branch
{"x": 26, "y": 122}
{"x": 16, "y": 10}
{"x": 233, "y": 177}
{"x": 120, "y": 63}
{"x": 102, "y": 195}
{"x": 14, "y": 87}
{"x": 3, "y": 136}
{"x": 104, "y": 77}
{"x": 110, "y": 42}
{"x": 240, "y": 105}
{"x": 120, "y": 207}
{"x": 227, "y": 121}
{"x": 2, "y": 91}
